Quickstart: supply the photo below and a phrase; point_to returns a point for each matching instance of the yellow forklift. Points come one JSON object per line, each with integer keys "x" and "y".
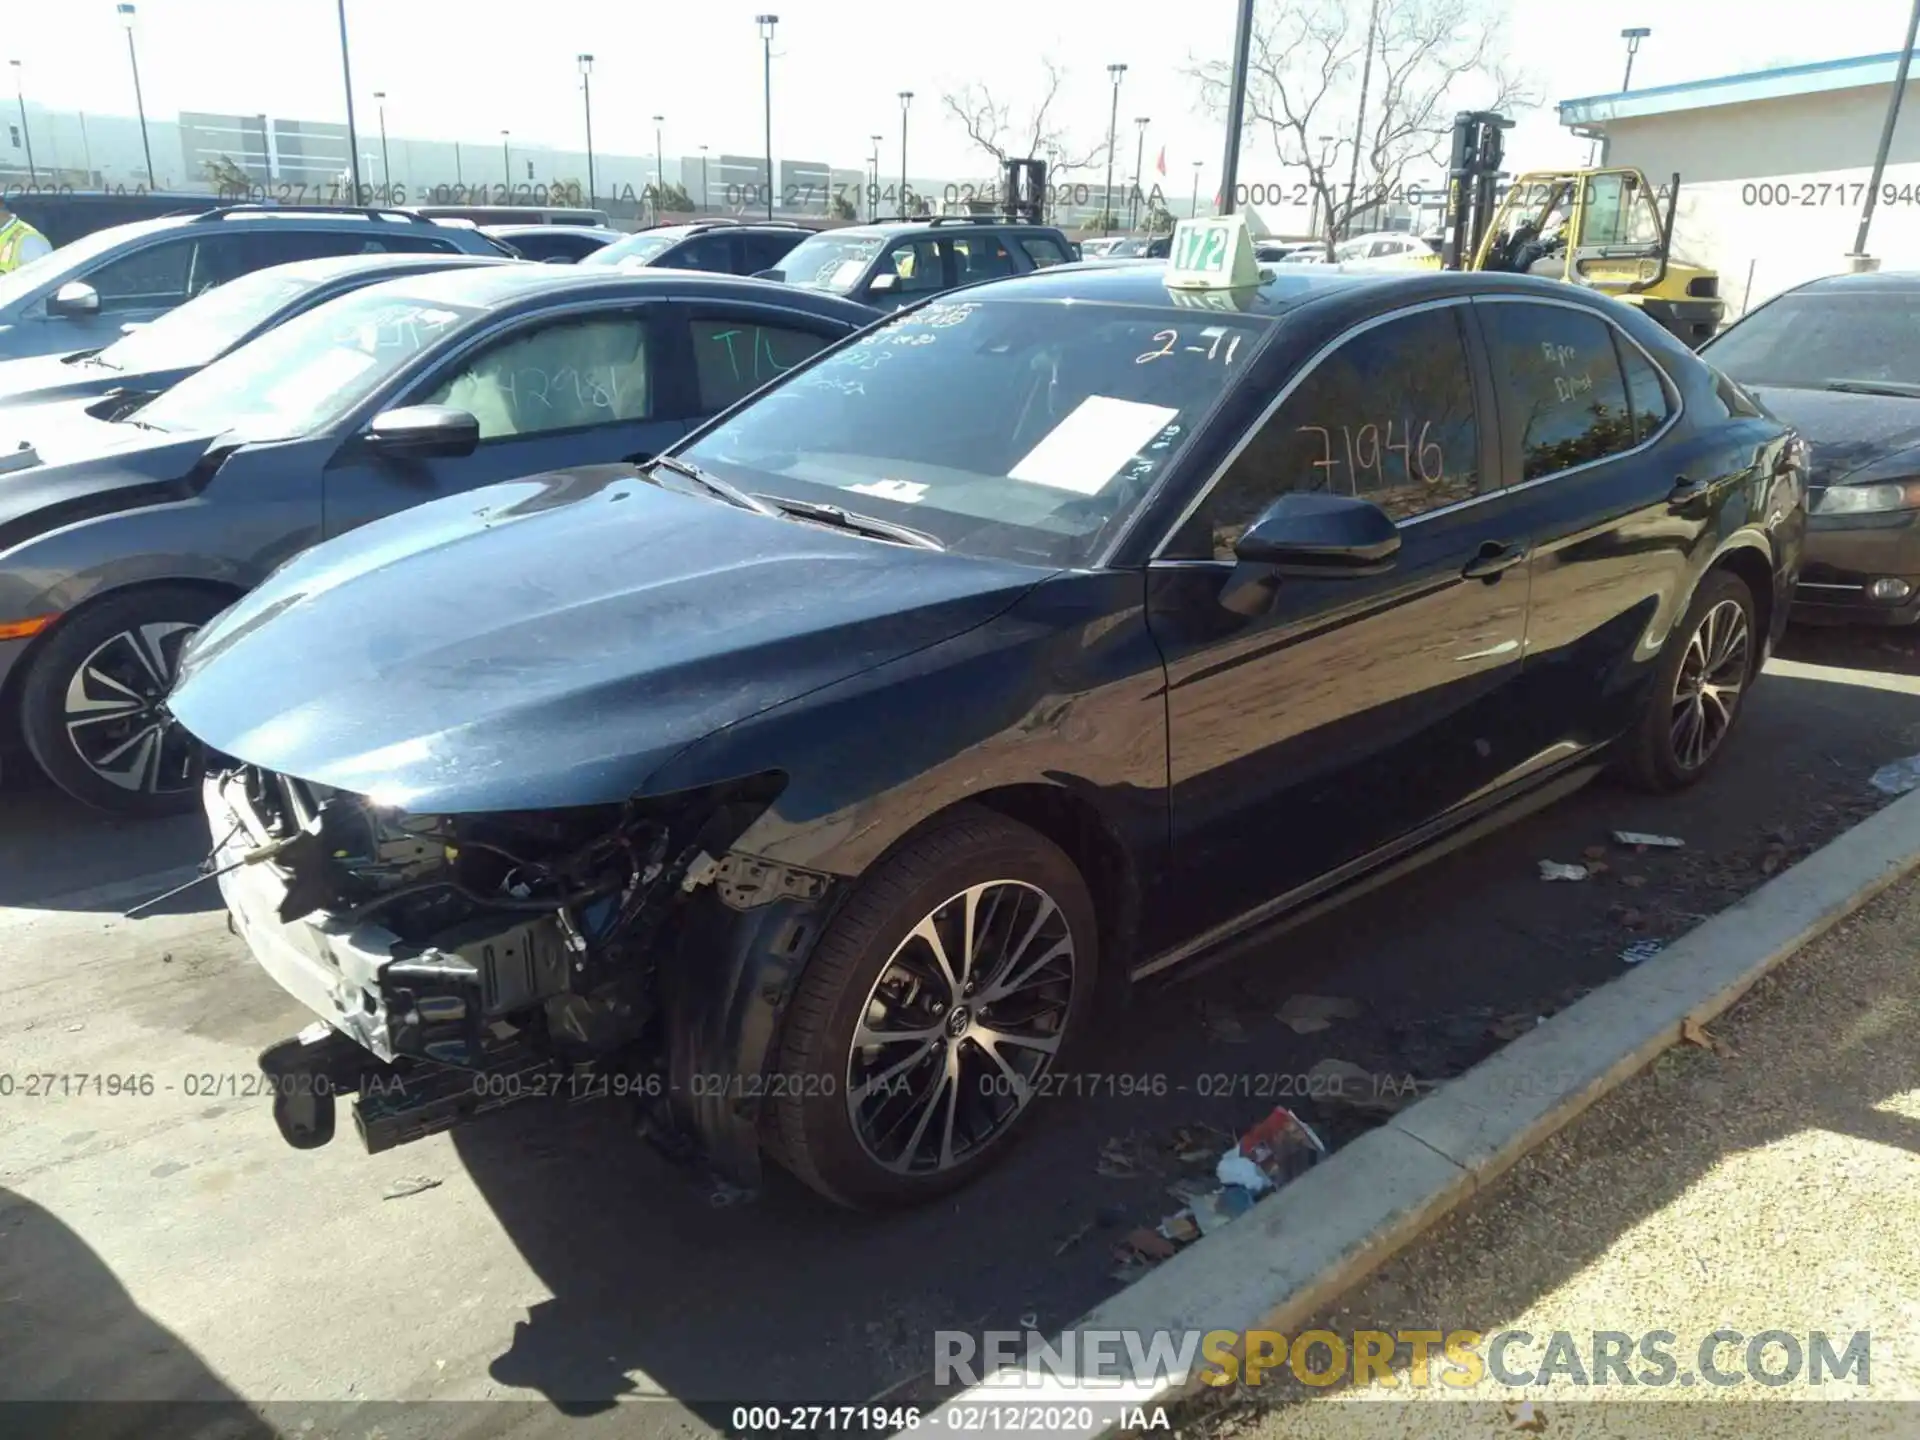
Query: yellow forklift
{"x": 1599, "y": 227}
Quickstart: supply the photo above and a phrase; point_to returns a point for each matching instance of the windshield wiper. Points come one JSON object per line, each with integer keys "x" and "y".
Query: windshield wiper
{"x": 850, "y": 520}
{"x": 732, "y": 494}
{"x": 1875, "y": 387}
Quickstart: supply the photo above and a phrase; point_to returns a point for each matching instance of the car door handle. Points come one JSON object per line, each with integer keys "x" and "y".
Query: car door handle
{"x": 1496, "y": 557}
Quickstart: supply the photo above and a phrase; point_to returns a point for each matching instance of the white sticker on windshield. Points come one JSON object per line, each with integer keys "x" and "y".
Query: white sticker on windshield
{"x": 907, "y": 492}
{"x": 847, "y": 273}
{"x": 326, "y": 374}
{"x": 1083, "y": 452}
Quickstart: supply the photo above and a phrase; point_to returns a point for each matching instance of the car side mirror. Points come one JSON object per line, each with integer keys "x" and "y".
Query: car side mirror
{"x": 74, "y": 299}
{"x": 424, "y": 432}
{"x": 1309, "y": 535}
{"x": 880, "y": 284}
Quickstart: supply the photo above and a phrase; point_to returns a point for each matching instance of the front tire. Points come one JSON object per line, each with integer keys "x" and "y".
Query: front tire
{"x": 93, "y": 706}
{"x": 1699, "y": 689}
{"x": 949, "y": 985}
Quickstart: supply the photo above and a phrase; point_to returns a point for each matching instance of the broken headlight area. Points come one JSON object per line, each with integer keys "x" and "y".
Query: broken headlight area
{"x": 463, "y": 961}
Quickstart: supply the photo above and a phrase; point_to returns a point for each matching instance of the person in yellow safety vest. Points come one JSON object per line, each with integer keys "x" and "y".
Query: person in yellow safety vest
{"x": 19, "y": 241}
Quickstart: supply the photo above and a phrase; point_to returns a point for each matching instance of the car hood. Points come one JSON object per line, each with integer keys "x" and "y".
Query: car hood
{"x": 553, "y": 641}
{"x": 73, "y": 458}
{"x": 42, "y": 378}
{"x": 1847, "y": 432}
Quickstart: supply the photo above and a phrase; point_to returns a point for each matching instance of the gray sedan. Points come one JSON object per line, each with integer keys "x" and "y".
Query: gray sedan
{"x": 120, "y": 538}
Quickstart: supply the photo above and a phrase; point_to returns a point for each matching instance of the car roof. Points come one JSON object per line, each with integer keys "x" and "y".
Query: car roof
{"x": 507, "y": 232}
{"x": 330, "y": 267}
{"x": 958, "y": 225}
{"x": 492, "y": 286}
{"x": 1898, "y": 282}
{"x": 1143, "y": 283}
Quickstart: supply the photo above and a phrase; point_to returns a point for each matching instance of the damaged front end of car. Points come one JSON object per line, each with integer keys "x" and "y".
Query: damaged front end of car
{"x": 461, "y": 963}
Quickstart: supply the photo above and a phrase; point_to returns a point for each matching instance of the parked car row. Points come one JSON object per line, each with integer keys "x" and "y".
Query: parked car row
{"x": 686, "y": 675}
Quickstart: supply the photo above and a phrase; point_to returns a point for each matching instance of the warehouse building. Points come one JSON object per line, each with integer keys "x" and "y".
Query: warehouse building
{"x": 1773, "y": 168}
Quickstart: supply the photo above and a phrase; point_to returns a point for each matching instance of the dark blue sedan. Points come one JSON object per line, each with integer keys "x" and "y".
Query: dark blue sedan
{"x": 821, "y": 779}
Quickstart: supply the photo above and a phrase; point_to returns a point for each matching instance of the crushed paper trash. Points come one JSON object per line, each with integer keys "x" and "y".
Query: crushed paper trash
{"x": 1554, "y": 870}
{"x": 1898, "y": 777}
{"x": 1651, "y": 842}
{"x": 1640, "y": 950}
{"x": 1305, "y": 1014}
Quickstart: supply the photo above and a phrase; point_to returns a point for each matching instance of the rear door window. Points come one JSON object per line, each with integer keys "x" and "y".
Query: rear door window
{"x": 765, "y": 252}
{"x": 703, "y": 252}
{"x": 1043, "y": 251}
{"x": 980, "y": 257}
{"x": 1559, "y": 374}
{"x": 918, "y": 264}
{"x": 735, "y": 354}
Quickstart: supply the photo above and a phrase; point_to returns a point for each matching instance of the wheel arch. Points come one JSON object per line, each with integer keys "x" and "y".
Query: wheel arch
{"x": 1752, "y": 561}
{"x": 11, "y": 734}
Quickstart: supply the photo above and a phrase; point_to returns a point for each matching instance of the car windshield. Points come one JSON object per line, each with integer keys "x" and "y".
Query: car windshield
{"x": 1813, "y": 339}
{"x": 304, "y": 375}
{"x": 833, "y": 263}
{"x": 1021, "y": 430}
{"x": 203, "y": 329}
{"x": 637, "y": 249}
{"x": 61, "y": 260}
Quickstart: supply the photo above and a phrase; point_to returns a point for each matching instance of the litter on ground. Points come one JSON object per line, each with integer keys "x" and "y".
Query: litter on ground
{"x": 1640, "y": 950}
{"x": 1640, "y": 839}
{"x": 1305, "y": 1014}
{"x": 1554, "y": 870}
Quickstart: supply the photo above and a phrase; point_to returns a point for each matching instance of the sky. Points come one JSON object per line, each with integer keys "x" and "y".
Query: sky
{"x": 468, "y": 68}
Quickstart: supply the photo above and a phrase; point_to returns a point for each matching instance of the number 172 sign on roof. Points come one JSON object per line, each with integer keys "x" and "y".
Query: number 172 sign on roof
{"x": 1215, "y": 253}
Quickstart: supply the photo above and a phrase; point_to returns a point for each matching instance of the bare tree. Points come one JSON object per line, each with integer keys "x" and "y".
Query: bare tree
{"x": 990, "y": 126}
{"x": 1381, "y": 79}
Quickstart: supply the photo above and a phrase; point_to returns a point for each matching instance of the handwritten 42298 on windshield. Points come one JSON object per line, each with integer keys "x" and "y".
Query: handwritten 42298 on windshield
{"x": 1362, "y": 451}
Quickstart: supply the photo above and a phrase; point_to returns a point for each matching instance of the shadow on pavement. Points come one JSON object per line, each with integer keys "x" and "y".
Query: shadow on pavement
{"x": 786, "y": 1299}
{"x": 83, "y": 1360}
{"x": 57, "y": 854}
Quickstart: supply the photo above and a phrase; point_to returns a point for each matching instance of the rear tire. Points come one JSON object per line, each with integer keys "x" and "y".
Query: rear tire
{"x": 1699, "y": 689}
{"x": 871, "y": 1122}
{"x": 93, "y": 706}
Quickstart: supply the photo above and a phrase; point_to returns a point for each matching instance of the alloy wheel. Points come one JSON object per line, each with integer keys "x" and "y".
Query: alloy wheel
{"x": 960, "y": 1026}
{"x": 116, "y": 711}
{"x": 1707, "y": 691}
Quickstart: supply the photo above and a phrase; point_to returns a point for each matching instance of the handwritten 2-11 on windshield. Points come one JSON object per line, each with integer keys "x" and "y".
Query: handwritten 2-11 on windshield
{"x": 1366, "y": 450}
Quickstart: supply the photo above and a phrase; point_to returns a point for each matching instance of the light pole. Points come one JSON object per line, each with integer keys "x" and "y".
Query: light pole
{"x": 703, "y": 179}
{"x": 906, "y": 99}
{"x": 1886, "y": 132}
{"x": 1359, "y": 125}
{"x": 873, "y": 195}
{"x": 659, "y": 167}
{"x": 346, "y": 77}
{"x": 506, "y": 164}
{"x": 20, "y": 89}
{"x": 1633, "y": 37}
{"x": 1113, "y": 131}
{"x": 586, "y": 95}
{"x": 125, "y": 11}
{"x": 1193, "y": 205}
{"x": 766, "y": 24}
{"x": 386, "y": 166}
{"x": 1139, "y": 173}
{"x": 1236, "y": 108}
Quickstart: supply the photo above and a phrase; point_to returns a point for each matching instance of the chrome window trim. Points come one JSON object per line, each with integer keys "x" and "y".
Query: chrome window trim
{"x": 1672, "y": 392}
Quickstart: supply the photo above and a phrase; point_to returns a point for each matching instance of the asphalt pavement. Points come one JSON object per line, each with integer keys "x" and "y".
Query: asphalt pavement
{"x": 164, "y": 1244}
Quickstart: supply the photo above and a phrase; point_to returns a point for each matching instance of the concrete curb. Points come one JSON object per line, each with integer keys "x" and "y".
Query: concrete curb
{"x": 1293, "y": 1253}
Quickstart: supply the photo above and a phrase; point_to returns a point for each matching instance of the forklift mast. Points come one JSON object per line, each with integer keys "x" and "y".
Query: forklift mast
{"x": 1472, "y": 174}
{"x": 1027, "y": 190}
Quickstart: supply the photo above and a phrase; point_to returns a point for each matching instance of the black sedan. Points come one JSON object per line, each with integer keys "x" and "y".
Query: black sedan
{"x": 122, "y": 531}
{"x": 186, "y": 339}
{"x": 817, "y": 779}
{"x": 1839, "y": 359}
